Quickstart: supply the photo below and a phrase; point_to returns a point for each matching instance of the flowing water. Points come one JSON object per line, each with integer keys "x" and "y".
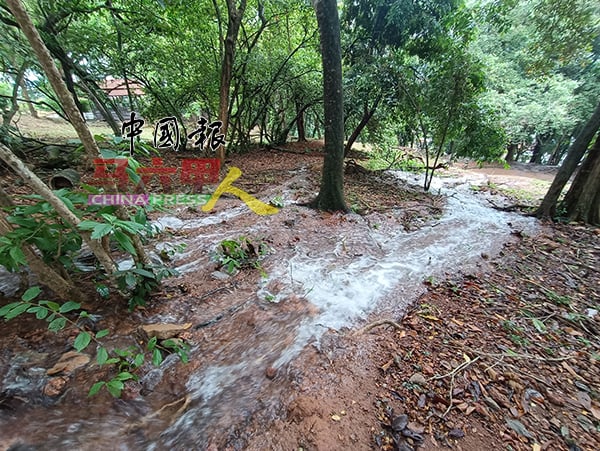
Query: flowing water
{"x": 330, "y": 279}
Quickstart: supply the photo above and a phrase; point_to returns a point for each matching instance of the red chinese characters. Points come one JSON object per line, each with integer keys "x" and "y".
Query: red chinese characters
{"x": 194, "y": 171}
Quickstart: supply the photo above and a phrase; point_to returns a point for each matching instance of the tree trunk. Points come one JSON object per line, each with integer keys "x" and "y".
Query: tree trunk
{"x": 331, "y": 194}
{"x": 116, "y": 129}
{"x": 27, "y": 98}
{"x": 581, "y": 201}
{"x": 68, "y": 103}
{"x": 547, "y": 208}
{"x": 7, "y": 117}
{"x": 366, "y": 117}
{"x": 235, "y": 15}
{"x": 510, "y": 152}
{"x": 58, "y": 84}
{"x": 300, "y": 121}
{"x": 63, "y": 211}
{"x": 47, "y": 276}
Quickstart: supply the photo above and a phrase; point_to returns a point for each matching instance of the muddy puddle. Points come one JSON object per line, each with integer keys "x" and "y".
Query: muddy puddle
{"x": 324, "y": 272}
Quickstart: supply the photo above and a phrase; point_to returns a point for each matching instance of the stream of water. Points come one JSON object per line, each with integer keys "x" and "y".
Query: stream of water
{"x": 355, "y": 272}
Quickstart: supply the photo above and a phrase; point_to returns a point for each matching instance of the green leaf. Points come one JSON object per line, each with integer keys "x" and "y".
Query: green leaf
{"x": 8, "y": 307}
{"x": 69, "y": 307}
{"x": 17, "y": 255}
{"x": 57, "y": 324}
{"x": 101, "y": 230}
{"x": 102, "y": 333}
{"x": 125, "y": 242}
{"x": 51, "y": 305}
{"x": 42, "y": 313}
{"x": 17, "y": 310}
{"x": 539, "y": 325}
{"x": 139, "y": 360}
{"x": 115, "y": 387}
{"x": 96, "y": 388}
{"x": 156, "y": 357}
{"x": 144, "y": 272}
{"x": 31, "y": 293}
{"x": 125, "y": 376}
{"x": 88, "y": 225}
{"x": 101, "y": 356}
{"x": 103, "y": 290}
{"x": 152, "y": 344}
{"x": 82, "y": 341}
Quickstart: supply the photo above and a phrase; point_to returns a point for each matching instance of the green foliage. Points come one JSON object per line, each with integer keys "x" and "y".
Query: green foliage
{"x": 140, "y": 282}
{"x": 235, "y": 254}
{"x": 125, "y": 361}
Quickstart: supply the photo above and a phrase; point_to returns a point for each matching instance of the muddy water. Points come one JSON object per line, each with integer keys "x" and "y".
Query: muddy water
{"x": 333, "y": 275}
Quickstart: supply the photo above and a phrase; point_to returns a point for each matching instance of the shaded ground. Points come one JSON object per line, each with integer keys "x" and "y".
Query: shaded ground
{"x": 505, "y": 354}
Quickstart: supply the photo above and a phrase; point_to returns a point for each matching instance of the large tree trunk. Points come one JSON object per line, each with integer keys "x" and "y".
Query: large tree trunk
{"x": 581, "y": 201}
{"x": 577, "y": 150}
{"x": 331, "y": 194}
{"x": 235, "y": 15}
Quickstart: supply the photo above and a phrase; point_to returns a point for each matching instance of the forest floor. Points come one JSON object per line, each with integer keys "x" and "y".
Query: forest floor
{"x": 503, "y": 354}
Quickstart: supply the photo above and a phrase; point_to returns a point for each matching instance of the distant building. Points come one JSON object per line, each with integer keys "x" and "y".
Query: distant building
{"x": 116, "y": 87}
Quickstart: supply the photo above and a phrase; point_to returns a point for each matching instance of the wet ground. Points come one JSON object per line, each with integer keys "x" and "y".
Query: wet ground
{"x": 268, "y": 346}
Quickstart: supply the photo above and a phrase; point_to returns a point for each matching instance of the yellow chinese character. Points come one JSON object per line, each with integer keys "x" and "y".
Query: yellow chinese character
{"x": 258, "y": 207}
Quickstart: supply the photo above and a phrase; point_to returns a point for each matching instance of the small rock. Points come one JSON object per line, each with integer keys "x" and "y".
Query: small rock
{"x": 220, "y": 275}
{"x": 55, "y": 386}
{"x": 456, "y": 433}
{"x": 165, "y": 331}
{"x": 69, "y": 362}
{"x": 418, "y": 378}
{"x": 399, "y": 423}
{"x": 271, "y": 372}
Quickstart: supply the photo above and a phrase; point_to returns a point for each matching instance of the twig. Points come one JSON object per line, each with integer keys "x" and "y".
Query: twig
{"x": 453, "y": 373}
{"x": 382, "y": 322}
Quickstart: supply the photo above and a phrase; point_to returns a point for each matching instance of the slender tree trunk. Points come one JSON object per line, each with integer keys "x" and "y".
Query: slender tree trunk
{"x": 300, "y": 121}
{"x": 7, "y": 117}
{"x": 510, "y": 152}
{"x": 106, "y": 114}
{"x": 331, "y": 194}
{"x": 63, "y": 211}
{"x": 366, "y": 117}
{"x": 47, "y": 276}
{"x": 27, "y": 98}
{"x": 577, "y": 150}
{"x": 71, "y": 109}
{"x": 235, "y": 15}
{"x": 580, "y": 202}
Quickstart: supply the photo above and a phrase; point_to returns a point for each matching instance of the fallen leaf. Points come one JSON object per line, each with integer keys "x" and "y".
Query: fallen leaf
{"x": 536, "y": 447}
{"x": 519, "y": 428}
{"x": 336, "y": 417}
{"x": 573, "y": 332}
{"x": 455, "y": 321}
{"x": 584, "y": 400}
{"x": 430, "y": 317}
{"x": 596, "y": 412}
